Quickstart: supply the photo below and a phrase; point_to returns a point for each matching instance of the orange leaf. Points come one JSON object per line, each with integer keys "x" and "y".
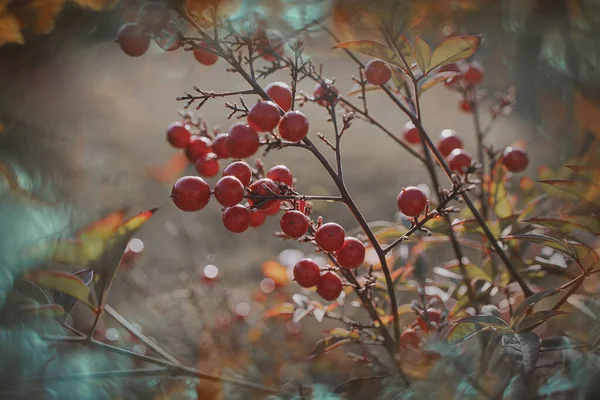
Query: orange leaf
{"x": 10, "y": 29}
{"x": 285, "y": 309}
{"x": 104, "y": 227}
{"x": 277, "y": 272}
{"x": 170, "y": 172}
{"x": 38, "y": 16}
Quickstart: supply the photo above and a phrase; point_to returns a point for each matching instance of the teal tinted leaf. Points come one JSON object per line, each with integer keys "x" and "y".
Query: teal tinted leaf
{"x": 523, "y": 348}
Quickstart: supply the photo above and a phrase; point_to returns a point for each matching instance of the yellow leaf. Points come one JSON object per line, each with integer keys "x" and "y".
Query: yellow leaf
{"x": 63, "y": 282}
{"x": 277, "y": 272}
{"x": 373, "y": 49}
{"x": 454, "y": 49}
{"x": 38, "y": 16}
{"x": 10, "y": 29}
{"x": 96, "y": 5}
{"x": 76, "y": 251}
{"x": 422, "y": 55}
{"x": 102, "y": 228}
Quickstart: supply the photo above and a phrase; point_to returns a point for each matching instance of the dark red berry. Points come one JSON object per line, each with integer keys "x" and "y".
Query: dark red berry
{"x": 293, "y": 126}
{"x": 204, "y": 56}
{"x": 207, "y": 165}
{"x": 281, "y": 94}
{"x": 236, "y": 219}
{"x": 330, "y": 236}
{"x": 169, "y": 39}
{"x": 281, "y": 173}
{"x": 267, "y": 188}
{"x": 411, "y": 133}
{"x": 515, "y": 159}
{"x": 243, "y": 141}
{"x": 264, "y": 116}
{"x": 197, "y": 147}
{"x": 190, "y": 193}
{"x": 449, "y": 141}
{"x": 240, "y": 170}
{"x": 473, "y": 73}
{"x": 465, "y": 104}
{"x": 410, "y": 338}
{"x": 153, "y": 17}
{"x": 459, "y": 161}
{"x": 351, "y": 254}
{"x": 434, "y": 316}
{"x": 325, "y": 94}
{"x": 307, "y": 273}
{"x": 377, "y": 72}
{"x": 219, "y": 145}
{"x": 229, "y": 191}
{"x": 294, "y": 223}
{"x": 257, "y": 218}
{"x": 178, "y": 135}
{"x": 133, "y": 40}
{"x": 412, "y": 201}
{"x": 329, "y": 286}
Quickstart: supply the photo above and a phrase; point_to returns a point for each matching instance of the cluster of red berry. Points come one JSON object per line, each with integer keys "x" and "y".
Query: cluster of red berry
{"x": 410, "y": 337}
{"x": 468, "y": 75}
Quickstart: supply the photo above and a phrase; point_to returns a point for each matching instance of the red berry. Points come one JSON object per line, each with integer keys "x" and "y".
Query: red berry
{"x": 133, "y": 40}
{"x": 412, "y": 201}
{"x": 307, "y": 273}
{"x": 257, "y": 218}
{"x": 281, "y": 173}
{"x": 351, "y": 254}
{"x": 264, "y": 116}
{"x": 293, "y": 126}
{"x": 459, "y": 161}
{"x": 411, "y": 133}
{"x": 377, "y": 72}
{"x": 329, "y": 286}
{"x": 330, "y": 236}
{"x": 267, "y": 188}
{"x": 465, "y": 105}
{"x": 449, "y": 141}
{"x": 243, "y": 141}
{"x": 272, "y": 209}
{"x": 240, "y": 170}
{"x": 270, "y": 44}
{"x": 229, "y": 191}
{"x": 169, "y": 39}
{"x": 474, "y": 73}
{"x": 190, "y": 193}
{"x": 294, "y": 223}
{"x": 515, "y": 159}
{"x": 409, "y": 338}
{"x": 197, "y": 147}
{"x": 236, "y": 219}
{"x": 178, "y": 135}
{"x": 325, "y": 94}
{"x": 433, "y": 315}
{"x": 204, "y": 56}
{"x": 207, "y": 165}
{"x": 451, "y": 68}
{"x": 153, "y": 17}
{"x": 219, "y": 145}
{"x": 281, "y": 94}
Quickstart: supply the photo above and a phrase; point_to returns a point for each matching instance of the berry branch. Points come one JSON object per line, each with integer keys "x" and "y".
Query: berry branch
{"x": 204, "y": 96}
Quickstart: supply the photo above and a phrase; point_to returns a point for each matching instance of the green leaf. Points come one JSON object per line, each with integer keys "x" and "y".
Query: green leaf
{"x": 559, "y": 343}
{"x": 584, "y": 190}
{"x": 326, "y": 345}
{"x": 590, "y": 173}
{"x": 523, "y": 348}
{"x": 489, "y": 321}
{"x": 355, "y": 385}
{"x": 534, "y": 320}
{"x": 530, "y": 302}
{"x": 373, "y": 49}
{"x": 405, "y": 48}
{"x": 473, "y": 271}
{"x": 545, "y": 241}
{"x": 454, "y": 49}
{"x": 463, "y": 332}
{"x": 63, "y": 282}
{"x": 565, "y": 226}
{"x": 422, "y": 55}
{"x": 500, "y": 200}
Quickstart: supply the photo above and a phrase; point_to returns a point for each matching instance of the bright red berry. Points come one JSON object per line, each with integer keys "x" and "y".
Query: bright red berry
{"x": 411, "y": 133}
{"x": 465, "y": 104}
{"x": 473, "y": 73}
{"x": 257, "y": 218}
{"x": 351, "y": 254}
{"x": 412, "y": 201}
{"x": 330, "y": 236}
{"x": 207, "y": 165}
{"x": 281, "y": 173}
{"x": 229, "y": 191}
{"x": 133, "y": 40}
{"x": 408, "y": 338}
{"x": 236, "y": 219}
{"x": 377, "y": 72}
{"x": 197, "y": 147}
{"x": 329, "y": 286}
{"x": 281, "y": 94}
{"x": 153, "y": 17}
{"x": 240, "y": 170}
{"x": 219, "y": 145}
{"x": 325, "y": 94}
{"x": 266, "y": 188}
{"x": 433, "y": 315}
{"x": 293, "y": 126}
{"x": 178, "y": 135}
{"x": 515, "y": 159}
{"x": 272, "y": 209}
{"x": 169, "y": 39}
{"x": 204, "y": 56}
{"x": 307, "y": 273}
{"x": 264, "y": 116}
{"x": 294, "y": 223}
{"x": 243, "y": 141}
{"x": 459, "y": 161}
{"x": 190, "y": 193}
{"x": 449, "y": 141}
